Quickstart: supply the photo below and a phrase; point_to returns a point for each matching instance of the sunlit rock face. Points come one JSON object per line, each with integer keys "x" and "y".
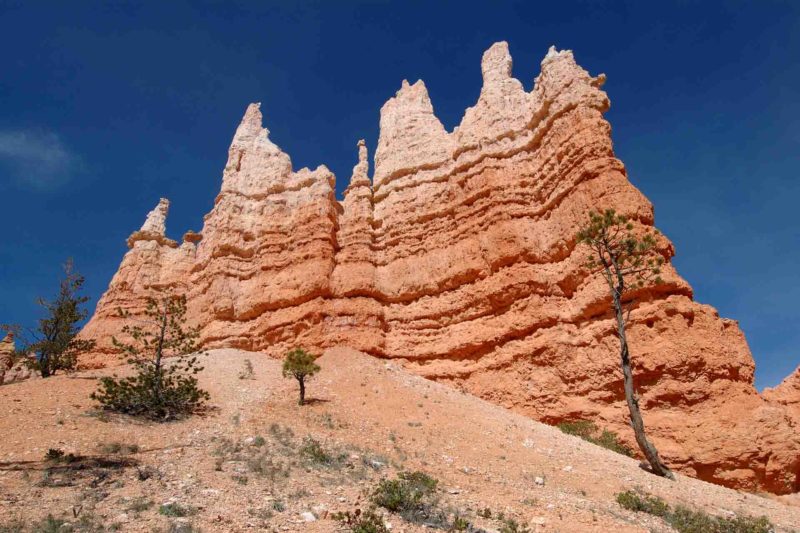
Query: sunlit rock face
{"x": 787, "y": 393}
{"x": 13, "y": 368}
{"x": 458, "y": 257}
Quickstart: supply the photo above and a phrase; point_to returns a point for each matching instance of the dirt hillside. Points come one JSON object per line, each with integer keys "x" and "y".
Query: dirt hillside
{"x": 250, "y": 464}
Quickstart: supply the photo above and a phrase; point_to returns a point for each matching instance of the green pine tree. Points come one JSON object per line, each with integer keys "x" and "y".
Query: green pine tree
{"x": 626, "y": 260}
{"x": 163, "y": 352}
{"x": 54, "y": 345}
{"x": 300, "y": 365}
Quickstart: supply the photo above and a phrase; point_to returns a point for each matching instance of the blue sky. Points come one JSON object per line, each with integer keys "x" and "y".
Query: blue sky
{"x": 106, "y": 107}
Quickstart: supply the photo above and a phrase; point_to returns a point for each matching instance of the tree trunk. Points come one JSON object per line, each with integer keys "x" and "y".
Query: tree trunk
{"x": 645, "y": 445}
{"x": 302, "y": 391}
{"x": 160, "y": 353}
{"x": 44, "y": 366}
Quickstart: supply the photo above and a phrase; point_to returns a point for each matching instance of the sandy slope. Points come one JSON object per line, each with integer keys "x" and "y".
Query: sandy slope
{"x": 375, "y": 415}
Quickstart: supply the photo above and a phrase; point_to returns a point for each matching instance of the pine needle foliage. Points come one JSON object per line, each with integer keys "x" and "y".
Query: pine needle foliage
{"x": 160, "y": 390}
{"x": 300, "y": 365}
{"x": 619, "y": 252}
{"x": 54, "y": 345}
{"x": 627, "y": 259}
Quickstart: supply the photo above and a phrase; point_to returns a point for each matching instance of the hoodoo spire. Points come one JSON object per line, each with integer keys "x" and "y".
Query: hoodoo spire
{"x": 156, "y": 221}
{"x": 496, "y": 63}
{"x": 459, "y": 261}
{"x": 411, "y": 136}
{"x": 154, "y": 227}
{"x": 255, "y": 164}
{"x": 360, "y": 174}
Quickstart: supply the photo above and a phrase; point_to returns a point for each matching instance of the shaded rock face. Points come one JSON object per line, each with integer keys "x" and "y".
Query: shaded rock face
{"x": 459, "y": 258}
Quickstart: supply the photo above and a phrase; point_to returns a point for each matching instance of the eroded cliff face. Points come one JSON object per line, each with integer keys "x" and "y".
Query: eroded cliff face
{"x": 459, "y": 258}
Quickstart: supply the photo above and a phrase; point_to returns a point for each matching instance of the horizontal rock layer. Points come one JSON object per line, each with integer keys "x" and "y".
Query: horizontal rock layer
{"x": 459, "y": 258}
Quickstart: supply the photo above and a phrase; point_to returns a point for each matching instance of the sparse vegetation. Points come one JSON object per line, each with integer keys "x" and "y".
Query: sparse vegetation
{"x": 326, "y": 419}
{"x": 118, "y": 448}
{"x": 67, "y": 469}
{"x": 368, "y": 521}
{"x": 409, "y": 492}
{"x": 159, "y": 391}
{"x": 262, "y": 514}
{"x": 266, "y": 466}
{"x": 51, "y": 524}
{"x": 588, "y": 431}
{"x": 182, "y": 527}
{"x": 16, "y": 525}
{"x": 87, "y": 523}
{"x": 54, "y": 454}
{"x": 57, "y": 455}
{"x": 175, "y": 510}
{"x": 510, "y": 525}
{"x": 54, "y": 345}
{"x": 685, "y": 520}
{"x": 311, "y": 451}
{"x": 643, "y": 503}
{"x": 247, "y": 372}
{"x": 313, "y": 454}
{"x": 300, "y": 365}
{"x": 146, "y": 472}
{"x": 626, "y": 261}
{"x": 257, "y": 459}
{"x": 412, "y": 496}
{"x": 138, "y": 505}
{"x": 460, "y": 524}
{"x": 283, "y": 435}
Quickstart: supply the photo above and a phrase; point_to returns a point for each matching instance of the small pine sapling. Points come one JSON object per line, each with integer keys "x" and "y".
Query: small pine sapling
{"x": 300, "y": 365}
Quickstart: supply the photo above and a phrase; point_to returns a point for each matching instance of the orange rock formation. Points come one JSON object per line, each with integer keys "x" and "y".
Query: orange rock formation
{"x": 12, "y": 370}
{"x": 787, "y": 393}
{"x": 459, "y": 258}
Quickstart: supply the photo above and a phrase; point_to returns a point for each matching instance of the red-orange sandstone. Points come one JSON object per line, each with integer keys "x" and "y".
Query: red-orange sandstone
{"x": 459, "y": 259}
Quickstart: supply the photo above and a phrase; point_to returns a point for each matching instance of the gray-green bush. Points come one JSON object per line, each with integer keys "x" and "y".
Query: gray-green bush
{"x": 589, "y": 432}
{"x": 685, "y": 520}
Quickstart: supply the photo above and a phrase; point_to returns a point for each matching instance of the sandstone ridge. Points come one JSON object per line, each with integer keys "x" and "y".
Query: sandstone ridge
{"x": 458, "y": 258}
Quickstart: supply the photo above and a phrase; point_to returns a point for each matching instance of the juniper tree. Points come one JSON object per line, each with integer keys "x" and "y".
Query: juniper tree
{"x": 160, "y": 390}
{"x": 300, "y": 365}
{"x": 626, "y": 260}
{"x": 54, "y": 344}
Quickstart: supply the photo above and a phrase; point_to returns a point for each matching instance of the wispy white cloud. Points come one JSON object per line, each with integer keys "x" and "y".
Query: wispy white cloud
{"x": 37, "y": 158}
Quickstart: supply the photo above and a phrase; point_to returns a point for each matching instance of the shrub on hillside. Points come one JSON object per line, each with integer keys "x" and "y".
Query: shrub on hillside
{"x": 685, "y": 520}
{"x": 408, "y": 492}
{"x": 643, "y": 503}
{"x": 159, "y": 390}
{"x": 362, "y": 522}
{"x": 589, "y": 432}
